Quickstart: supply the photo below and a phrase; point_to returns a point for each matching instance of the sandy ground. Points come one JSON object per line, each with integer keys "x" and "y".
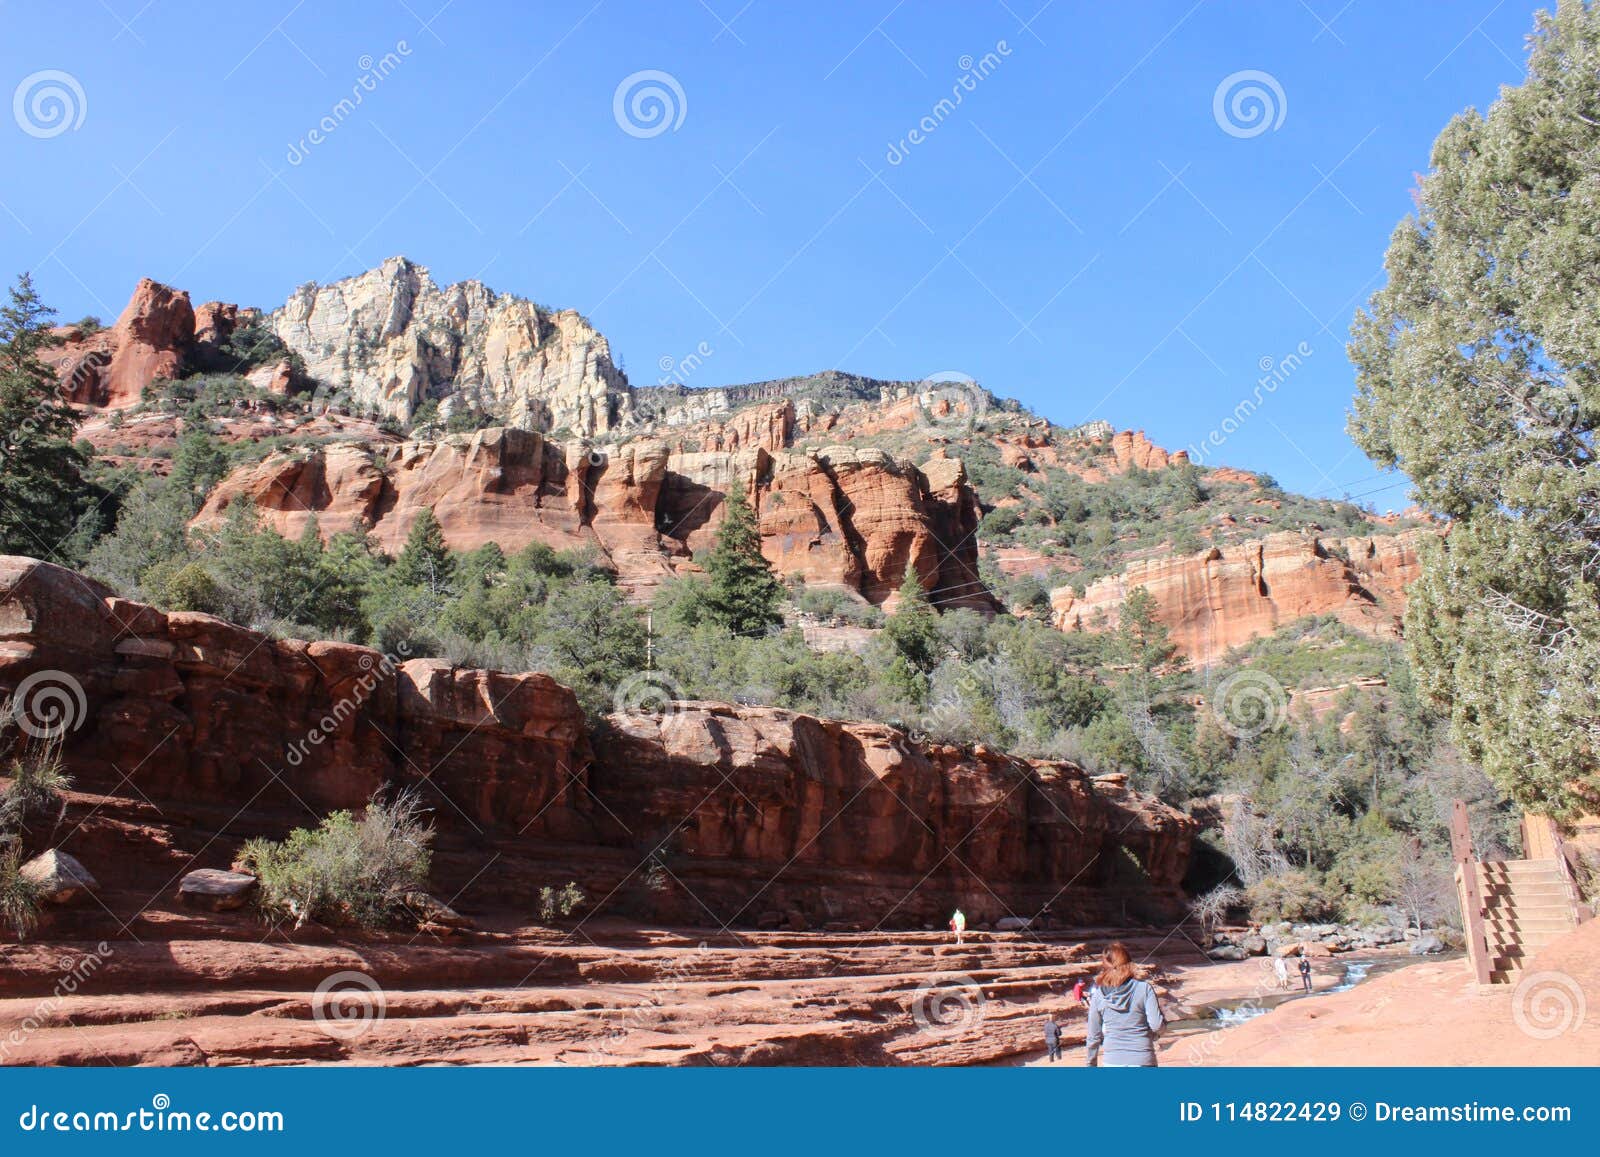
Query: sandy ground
{"x": 1430, "y": 1013}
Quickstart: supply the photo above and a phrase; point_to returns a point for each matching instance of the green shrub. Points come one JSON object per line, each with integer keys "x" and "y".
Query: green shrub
{"x": 555, "y": 904}
{"x": 347, "y": 870}
{"x": 19, "y": 897}
{"x": 1294, "y": 895}
{"x": 39, "y": 782}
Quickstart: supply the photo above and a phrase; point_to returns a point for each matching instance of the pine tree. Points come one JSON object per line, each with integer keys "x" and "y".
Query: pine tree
{"x": 744, "y": 593}
{"x": 1478, "y": 375}
{"x": 43, "y": 492}
{"x": 425, "y": 559}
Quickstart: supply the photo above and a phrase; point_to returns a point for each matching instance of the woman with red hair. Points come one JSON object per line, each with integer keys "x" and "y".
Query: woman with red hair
{"x": 1124, "y": 1015}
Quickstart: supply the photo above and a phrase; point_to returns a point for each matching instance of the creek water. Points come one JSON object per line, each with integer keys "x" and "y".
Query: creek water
{"x": 1227, "y": 1013}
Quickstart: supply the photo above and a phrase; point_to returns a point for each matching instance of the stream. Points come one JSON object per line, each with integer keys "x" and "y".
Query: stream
{"x": 1227, "y": 1013}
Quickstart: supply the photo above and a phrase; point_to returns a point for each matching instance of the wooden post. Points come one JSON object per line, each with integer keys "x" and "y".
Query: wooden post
{"x": 1469, "y": 890}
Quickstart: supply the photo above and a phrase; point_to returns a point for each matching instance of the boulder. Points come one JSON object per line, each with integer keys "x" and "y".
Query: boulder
{"x": 1013, "y": 924}
{"x": 1228, "y": 952}
{"x": 1426, "y": 945}
{"x": 60, "y": 878}
{"x": 216, "y": 890}
{"x": 429, "y": 911}
{"x": 1254, "y": 944}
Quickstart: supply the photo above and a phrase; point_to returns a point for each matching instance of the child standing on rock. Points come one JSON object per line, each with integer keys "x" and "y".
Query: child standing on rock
{"x": 1052, "y": 1038}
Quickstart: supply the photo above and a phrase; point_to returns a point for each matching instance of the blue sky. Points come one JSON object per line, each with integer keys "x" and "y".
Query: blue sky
{"x": 1080, "y": 232}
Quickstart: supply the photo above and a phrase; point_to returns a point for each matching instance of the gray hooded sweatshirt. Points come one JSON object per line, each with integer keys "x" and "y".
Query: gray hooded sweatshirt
{"x": 1123, "y": 1024}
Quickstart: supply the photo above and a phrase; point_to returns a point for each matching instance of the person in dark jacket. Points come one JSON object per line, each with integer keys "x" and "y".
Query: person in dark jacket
{"x": 1124, "y": 1015}
{"x": 1052, "y": 1038}
{"x": 1305, "y": 970}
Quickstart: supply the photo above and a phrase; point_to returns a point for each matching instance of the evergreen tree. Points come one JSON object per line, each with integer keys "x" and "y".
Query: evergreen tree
{"x": 198, "y": 463}
{"x": 914, "y": 626}
{"x": 425, "y": 559}
{"x": 1478, "y": 374}
{"x": 744, "y": 593}
{"x": 43, "y": 491}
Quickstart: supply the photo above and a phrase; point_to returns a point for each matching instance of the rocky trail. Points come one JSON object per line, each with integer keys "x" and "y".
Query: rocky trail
{"x": 224, "y": 990}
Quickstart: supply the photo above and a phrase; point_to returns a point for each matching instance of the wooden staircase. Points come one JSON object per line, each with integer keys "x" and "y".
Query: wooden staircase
{"x": 1525, "y": 906}
{"x": 1511, "y": 909}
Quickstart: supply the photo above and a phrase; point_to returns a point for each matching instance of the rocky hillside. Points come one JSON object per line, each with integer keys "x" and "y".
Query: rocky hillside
{"x": 339, "y": 407}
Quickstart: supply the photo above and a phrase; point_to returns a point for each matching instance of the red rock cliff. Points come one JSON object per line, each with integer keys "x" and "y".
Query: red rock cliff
{"x": 841, "y": 515}
{"x": 1229, "y": 595}
{"x": 711, "y": 812}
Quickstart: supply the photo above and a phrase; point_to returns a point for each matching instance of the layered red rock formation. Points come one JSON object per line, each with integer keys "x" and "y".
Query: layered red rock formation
{"x": 1228, "y": 595}
{"x": 736, "y": 812}
{"x": 840, "y": 516}
{"x": 111, "y": 368}
{"x": 1133, "y": 451}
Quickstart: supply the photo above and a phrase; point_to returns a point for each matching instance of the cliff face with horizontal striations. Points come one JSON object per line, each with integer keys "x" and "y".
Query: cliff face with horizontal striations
{"x": 1227, "y": 596}
{"x": 841, "y": 516}
{"x": 745, "y": 811}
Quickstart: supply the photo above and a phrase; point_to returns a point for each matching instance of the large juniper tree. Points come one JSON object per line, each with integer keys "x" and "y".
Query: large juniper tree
{"x": 1478, "y": 371}
{"x": 43, "y": 493}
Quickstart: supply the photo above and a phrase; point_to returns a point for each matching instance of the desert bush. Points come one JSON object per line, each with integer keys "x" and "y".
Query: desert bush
{"x": 39, "y": 782}
{"x": 19, "y": 897}
{"x": 555, "y": 903}
{"x": 346, "y": 870}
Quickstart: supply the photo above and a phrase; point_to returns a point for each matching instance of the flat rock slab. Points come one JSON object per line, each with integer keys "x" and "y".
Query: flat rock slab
{"x": 216, "y": 890}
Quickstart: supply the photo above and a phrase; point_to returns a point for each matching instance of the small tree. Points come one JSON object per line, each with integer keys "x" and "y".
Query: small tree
{"x": 43, "y": 492}
{"x": 914, "y": 626}
{"x": 744, "y": 594}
